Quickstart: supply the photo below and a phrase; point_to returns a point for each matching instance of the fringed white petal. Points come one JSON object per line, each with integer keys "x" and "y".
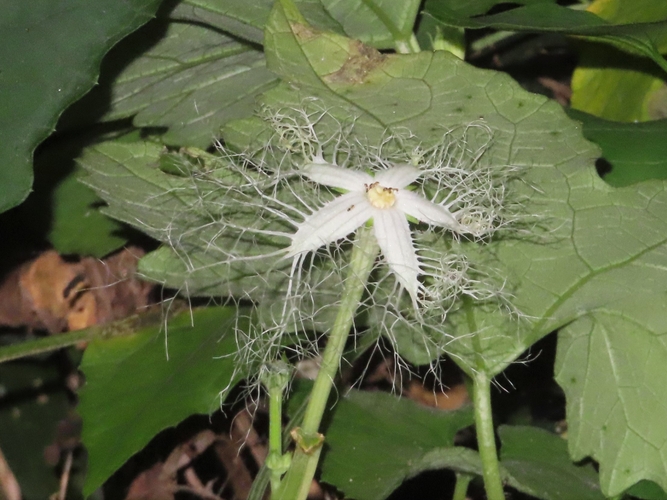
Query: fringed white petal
{"x": 398, "y": 177}
{"x": 336, "y": 177}
{"x": 426, "y": 211}
{"x": 333, "y": 221}
{"x": 393, "y": 235}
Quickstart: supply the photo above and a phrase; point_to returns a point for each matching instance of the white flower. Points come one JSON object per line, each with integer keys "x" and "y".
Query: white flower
{"x": 382, "y": 199}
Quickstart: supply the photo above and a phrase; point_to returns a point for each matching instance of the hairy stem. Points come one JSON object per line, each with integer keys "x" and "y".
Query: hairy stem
{"x": 297, "y": 481}
{"x": 486, "y": 439}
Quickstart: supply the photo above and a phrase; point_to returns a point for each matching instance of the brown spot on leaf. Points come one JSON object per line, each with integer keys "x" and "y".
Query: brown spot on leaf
{"x": 363, "y": 59}
{"x": 303, "y": 32}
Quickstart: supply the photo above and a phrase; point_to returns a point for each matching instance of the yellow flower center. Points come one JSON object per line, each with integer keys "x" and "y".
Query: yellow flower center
{"x": 380, "y": 196}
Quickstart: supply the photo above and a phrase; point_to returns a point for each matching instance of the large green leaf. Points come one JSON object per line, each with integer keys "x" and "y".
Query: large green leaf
{"x": 611, "y": 367}
{"x": 50, "y": 56}
{"x": 592, "y": 249}
{"x": 242, "y": 19}
{"x": 635, "y": 151}
{"x": 138, "y": 385}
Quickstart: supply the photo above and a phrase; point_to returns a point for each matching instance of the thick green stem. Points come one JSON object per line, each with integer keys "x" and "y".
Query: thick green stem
{"x": 361, "y": 263}
{"x": 297, "y": 481}
{"x": 486, "y": 439}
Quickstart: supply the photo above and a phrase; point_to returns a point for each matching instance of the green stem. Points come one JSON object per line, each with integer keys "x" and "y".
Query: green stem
{"x": 487, "y": 42}
{"x": 297, "y": 481}
{"x": 276, "y": 379}
{"x": 262, "y": 479}
{"x": 126, "y": 326}
{"x": 486, "y": 439}
{"x": 275, "y": 420}
{"x": 361, "y": 263}
{"x": 461, "y": 488}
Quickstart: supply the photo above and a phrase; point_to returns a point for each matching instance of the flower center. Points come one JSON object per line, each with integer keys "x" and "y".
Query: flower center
{"x": 380, "y": 196}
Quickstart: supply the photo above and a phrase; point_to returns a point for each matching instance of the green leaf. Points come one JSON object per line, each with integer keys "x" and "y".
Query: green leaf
{"x": 636, "y": 151}
{"x": 133, "y": 179}
{"x": 647, "y": 490}
{"x": 611, "y": 367}
{"x": 193, "y": 79}
{"x": 189, "y": 72}
{"x": 50, "y": 57}
{"x": 138, "y": 385}
{"x": 429, "y": 94}
{"x": 538, "y": 460}
{"x": 242, "y": 19}
{"x": 376, "y": 22}
{"x": 379, "y": 23}
{"x": 375, "y": 441}
{"x": 616, "y": 86}
{"x": 541, "y": 17}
